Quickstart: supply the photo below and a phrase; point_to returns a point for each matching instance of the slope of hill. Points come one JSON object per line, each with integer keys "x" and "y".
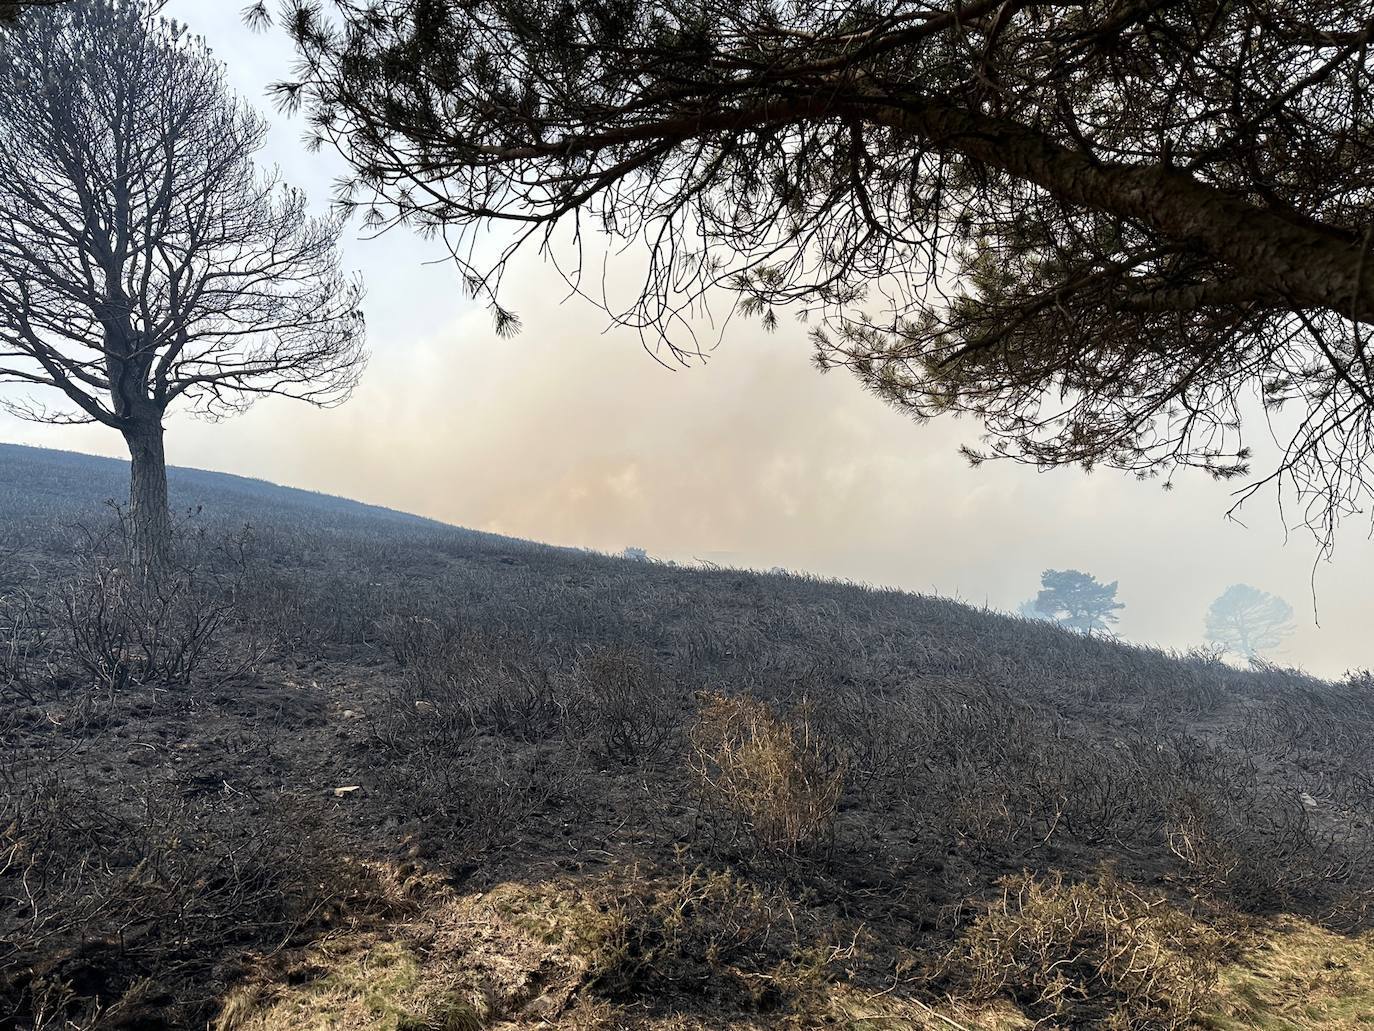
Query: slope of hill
{"x": 358, "y": 769}
{"x": 66, "y": 485}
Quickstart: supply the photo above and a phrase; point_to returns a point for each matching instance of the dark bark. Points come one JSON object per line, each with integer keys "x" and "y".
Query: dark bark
{"x": 149, "y": 511}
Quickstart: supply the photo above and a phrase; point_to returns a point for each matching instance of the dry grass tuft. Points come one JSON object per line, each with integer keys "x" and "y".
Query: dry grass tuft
{"x": 767, "y": 777}
{"x": 1096, "y": 951}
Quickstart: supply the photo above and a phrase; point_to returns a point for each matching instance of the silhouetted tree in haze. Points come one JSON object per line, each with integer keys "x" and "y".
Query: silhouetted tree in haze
{"x": 1075, "y": 600}
{"x": 1098, "y": 226}
{"x": 1249, "y": 621}
{"x": 144, "y": 261}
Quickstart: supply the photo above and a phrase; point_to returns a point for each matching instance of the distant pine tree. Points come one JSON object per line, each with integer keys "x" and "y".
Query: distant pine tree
{"x": 1075, "y": 600}
{"x": 1248, "y": 621}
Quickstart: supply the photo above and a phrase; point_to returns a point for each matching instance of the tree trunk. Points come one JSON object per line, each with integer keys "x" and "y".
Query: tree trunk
{"x": 148, "y": 506}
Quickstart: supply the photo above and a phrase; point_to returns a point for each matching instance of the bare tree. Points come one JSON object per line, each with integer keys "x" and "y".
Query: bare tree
{"x": 1249, "y": 621}
{"x": 1100, "y": 227}
{"x": 144, "y": 260}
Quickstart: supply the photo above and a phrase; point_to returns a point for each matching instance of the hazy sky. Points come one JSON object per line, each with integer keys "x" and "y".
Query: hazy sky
{"x": 573, "y": 435}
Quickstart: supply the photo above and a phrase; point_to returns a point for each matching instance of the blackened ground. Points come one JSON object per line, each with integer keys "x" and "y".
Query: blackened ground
{"x": 566, "y": 788}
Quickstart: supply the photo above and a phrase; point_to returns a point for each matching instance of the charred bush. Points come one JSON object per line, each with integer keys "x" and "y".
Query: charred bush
{"x": 27, "y": 667}
{"x": 704, "y": 932}
{"x": 104, "y": 898}
{"x": 121, "y": 626}
{"x": 1259, "y": 848}
{"x": 631, "y": 709}
{"x": 445, "y": 764}
{"x": 499, "y": 683}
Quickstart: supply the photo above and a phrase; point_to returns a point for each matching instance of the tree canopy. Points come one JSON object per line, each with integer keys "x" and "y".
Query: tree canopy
{"x": 1248, "y": 621}
{"x": 1106, "y": 229}
{"x": 1075, "y": 600}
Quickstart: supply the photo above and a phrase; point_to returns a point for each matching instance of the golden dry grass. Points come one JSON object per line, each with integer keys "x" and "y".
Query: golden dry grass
{"x": 1294, "y": 976}
{"x": 768, "y": 772}
{"x": 533, "y": 956}
{"x": 363, "y": 984}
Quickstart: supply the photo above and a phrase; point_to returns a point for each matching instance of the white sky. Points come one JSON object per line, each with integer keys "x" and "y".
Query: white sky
{"x": 573, "y": 435}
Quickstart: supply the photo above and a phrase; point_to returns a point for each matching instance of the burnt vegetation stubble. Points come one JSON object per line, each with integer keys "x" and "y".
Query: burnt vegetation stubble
{"x": 756, "y": 783}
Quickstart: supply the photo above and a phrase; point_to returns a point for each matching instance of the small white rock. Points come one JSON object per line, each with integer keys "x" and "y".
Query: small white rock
{"x": 348, "y": 789}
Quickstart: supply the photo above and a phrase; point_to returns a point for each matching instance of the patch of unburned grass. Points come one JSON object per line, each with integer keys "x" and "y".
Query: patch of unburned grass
{"x": 705, "y": 934}
{"x": 707, "y": 948}
{"x": 849, "y": 1010}
{"x": 1296, "y": 976}
{"x": 1098, "y": 952}
{"x": 370, "y": 985}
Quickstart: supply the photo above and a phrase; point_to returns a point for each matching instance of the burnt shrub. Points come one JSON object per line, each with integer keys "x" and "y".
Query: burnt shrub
{"x": 499, "y": 683}
{"x": 111, "y": 894}
{"x": 121, "y": 627}
{"x": 475, "y": 799}
{"x": 440, "y": 764}
{"x": 700, "y": 935}
{"x": 26, "y": 649}
{"x": 678, "y": 937}
{"x": 1259, "y": 847}
{"x": 631, "y": 709}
